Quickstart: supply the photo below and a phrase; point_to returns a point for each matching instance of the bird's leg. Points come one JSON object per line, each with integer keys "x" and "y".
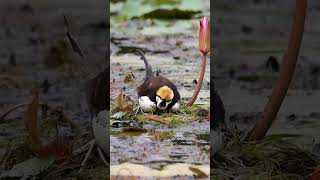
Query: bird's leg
{"x": 138, "y": 109}
{"x": 102, "y": 157}
{"x": 83, "y": 148}
{"x": 92, "y": 144}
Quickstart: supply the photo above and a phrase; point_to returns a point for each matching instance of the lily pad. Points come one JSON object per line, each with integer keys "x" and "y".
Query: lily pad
{"x": 171, "y": 14}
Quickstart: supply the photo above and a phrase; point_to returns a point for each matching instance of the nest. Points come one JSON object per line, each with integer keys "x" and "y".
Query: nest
{"x": 274, "y": 157}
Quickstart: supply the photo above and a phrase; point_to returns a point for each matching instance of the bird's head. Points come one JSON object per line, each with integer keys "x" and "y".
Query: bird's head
{"x": 164, "y": 97}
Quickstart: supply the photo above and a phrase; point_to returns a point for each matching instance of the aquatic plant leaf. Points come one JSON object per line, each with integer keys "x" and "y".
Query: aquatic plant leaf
{"x": 159, "y": 9}
{"x": 134, "y": 9}
{"x": 170, "y": 14}
{"x": 161, "y": 2}
{"x": 28, "y": 168}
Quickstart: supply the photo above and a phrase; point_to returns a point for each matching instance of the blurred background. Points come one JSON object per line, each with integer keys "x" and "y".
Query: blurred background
{"x": 157, "y": 17}
{"x": 35, "y": 53}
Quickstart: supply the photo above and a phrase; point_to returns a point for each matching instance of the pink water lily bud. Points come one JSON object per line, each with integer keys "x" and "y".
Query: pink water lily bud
{"x": 204, "y": 35}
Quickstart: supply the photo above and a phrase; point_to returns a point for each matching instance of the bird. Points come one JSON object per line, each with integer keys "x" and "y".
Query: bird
{"x": 157, "y": 93}
{"x": 216, "y": 139}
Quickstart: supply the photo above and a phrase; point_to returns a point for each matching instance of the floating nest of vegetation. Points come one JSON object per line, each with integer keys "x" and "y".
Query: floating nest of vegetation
{"x": 274, "y": 157}
{"x": 186, "y": 115}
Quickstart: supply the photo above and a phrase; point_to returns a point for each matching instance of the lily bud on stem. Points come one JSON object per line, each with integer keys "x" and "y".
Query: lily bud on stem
{"x": 204, "y": 48}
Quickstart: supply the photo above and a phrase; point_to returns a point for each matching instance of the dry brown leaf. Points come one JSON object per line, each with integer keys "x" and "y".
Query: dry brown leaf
{"x": 120, "y": 100}
{"x": 122, "y": 105}
{"x": 31, "y": 121}
{"x": 128, "y": 109}
{"x": 129, "y": 78}
{"x": 58, "y": 148}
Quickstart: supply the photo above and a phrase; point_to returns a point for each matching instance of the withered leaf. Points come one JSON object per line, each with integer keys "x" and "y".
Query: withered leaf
{"x": 31, "y": 121}
{"x": 122, "y": 105}
{"x": 58, "y": 148}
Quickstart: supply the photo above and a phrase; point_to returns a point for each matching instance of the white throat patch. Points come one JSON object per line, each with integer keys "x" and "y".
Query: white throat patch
{"x": 146, "y": 104}
{"x": 162, "y": 107}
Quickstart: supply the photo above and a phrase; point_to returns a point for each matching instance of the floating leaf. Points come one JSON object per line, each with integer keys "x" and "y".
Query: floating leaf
{"x": 170, "y": 14}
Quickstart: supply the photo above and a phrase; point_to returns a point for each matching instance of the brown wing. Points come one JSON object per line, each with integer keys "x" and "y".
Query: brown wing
{"x": 150, "y": 87}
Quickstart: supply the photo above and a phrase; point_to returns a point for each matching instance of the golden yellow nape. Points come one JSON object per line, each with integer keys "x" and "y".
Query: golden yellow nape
{"x": 165, "y": 93}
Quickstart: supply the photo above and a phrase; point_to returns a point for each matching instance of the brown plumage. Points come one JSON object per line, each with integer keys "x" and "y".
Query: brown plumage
{"x": 150, "y": 87}
{"x": 160, "y": 86}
